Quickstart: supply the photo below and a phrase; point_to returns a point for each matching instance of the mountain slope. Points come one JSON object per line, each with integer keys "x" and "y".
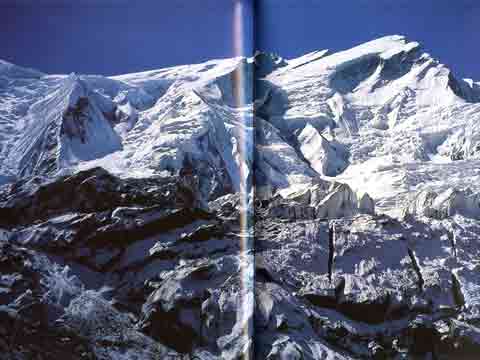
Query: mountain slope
{"x": 389, "y": 103}
{"x": 319, "y": 207}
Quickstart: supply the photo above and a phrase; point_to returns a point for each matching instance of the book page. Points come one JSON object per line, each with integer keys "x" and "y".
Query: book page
{"x": 239, "y": 179}
{"x": 126, "y": 196}
{"x": 367, "y": 210}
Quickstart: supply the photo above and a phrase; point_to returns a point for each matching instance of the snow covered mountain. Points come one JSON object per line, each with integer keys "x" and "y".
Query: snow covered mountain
{"x": 131, "y": 124}
{"x": 401, "y": 115}
{"x": 125, "y": 206}
{"x": 391, "y": 121}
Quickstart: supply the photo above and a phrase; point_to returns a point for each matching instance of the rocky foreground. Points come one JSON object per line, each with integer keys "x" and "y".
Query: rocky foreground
{"x": 97, "y": 267}
{"x": 101, "y": 268}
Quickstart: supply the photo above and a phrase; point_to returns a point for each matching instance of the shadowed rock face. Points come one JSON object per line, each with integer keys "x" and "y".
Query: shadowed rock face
{"x": 93, "y": 190}
{"x": 123, "y": 261}
{"x": 25, "y": 322}
{"x": 124, "y": 266}
{"x": 369, "y": 279}
{"x": 73, "y": 119}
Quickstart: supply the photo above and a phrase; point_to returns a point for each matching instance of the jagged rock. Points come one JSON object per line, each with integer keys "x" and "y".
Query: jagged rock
{"x": 371, "y": 270}
{"x": 183, "y": 312}
{"x": 366, "y": 205}
{"x": 128, "y": 233}
{"x": 321, "y": 202}
{"x": 466, "y": 338}
{"x": 265, "y": 63}
{"x": 93, "y": 190}
{"x": 24, "y": 313}
{"x": 283, "y": 328}
{"x": 292, "y": 211}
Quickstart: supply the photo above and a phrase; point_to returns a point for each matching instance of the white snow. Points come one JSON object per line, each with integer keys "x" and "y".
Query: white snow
{"x": 325, "y": 157}
{"x": 396, "y": 109}
{"x": 383, "y": 117}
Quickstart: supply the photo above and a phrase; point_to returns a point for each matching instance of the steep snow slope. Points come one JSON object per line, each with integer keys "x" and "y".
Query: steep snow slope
{"x": 140, "y": 124}
{"x": 19, "y": 89}
{"x": 361, "y": 106}
{"x": 51, "y": 122}
{"x": 395, "y": 108}
{"x": 158, "y": 122}
{"x": 202, "y": 118}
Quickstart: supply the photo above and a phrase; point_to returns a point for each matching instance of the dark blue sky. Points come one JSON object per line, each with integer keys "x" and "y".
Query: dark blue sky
{"x": 114, "y": 36}
{"x": 120, "y": 36}
{"x": 448, "y": 29}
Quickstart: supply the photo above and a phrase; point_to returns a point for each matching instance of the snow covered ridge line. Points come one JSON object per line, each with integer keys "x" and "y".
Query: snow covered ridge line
{"x": 113, "y": 114}
{"x": 384, "y": 84}
{"x": 323, "y": 114}
{"x": 396, "y": 115}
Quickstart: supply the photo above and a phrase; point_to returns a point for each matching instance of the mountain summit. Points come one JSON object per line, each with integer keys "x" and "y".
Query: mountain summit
{"x": 394, "y": 108}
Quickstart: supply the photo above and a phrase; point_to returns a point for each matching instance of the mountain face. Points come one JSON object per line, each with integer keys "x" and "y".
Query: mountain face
{"x": 319, "y": 207}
